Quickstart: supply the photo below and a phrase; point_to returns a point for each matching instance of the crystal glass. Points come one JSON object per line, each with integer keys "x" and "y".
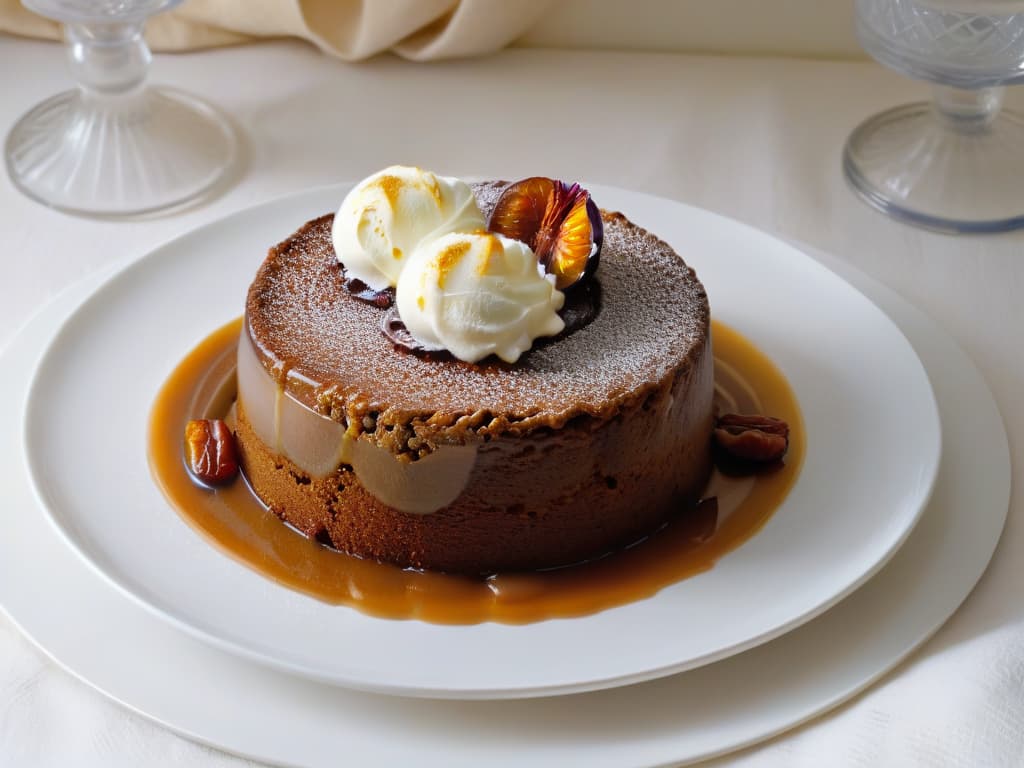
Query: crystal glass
{"x": 115, "y": 146}
{"x": 955, "y": 164}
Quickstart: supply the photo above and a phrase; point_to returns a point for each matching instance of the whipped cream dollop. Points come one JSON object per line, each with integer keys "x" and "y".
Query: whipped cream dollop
{"x": 389, "y": 214}
{"x": 476, "y": 294}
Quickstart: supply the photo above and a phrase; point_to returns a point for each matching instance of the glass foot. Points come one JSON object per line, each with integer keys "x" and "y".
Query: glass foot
{"x": 116, "y": 146}
{"x": 954, "y": 165}
{"x": 159, "y": 149}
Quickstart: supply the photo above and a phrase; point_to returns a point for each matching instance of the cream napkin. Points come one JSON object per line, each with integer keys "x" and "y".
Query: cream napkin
{"x": 348, "y": 29}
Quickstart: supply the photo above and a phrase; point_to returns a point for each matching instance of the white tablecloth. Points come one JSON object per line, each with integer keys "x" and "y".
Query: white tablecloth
{"x": 755, "y": 139}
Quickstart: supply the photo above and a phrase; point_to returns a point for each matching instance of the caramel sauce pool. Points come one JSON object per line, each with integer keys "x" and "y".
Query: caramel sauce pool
{"x": 234, "y": 520}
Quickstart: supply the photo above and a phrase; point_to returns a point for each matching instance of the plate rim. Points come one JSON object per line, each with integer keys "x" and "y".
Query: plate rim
{"x": 228, "y": 644}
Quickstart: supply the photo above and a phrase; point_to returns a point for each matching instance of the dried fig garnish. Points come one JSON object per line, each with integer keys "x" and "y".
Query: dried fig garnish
{"x": 752, "y": 438}
{"x": 210, "y": 451}
{"x": 558, "y": 220}
{"x": 392, "y": 326}
{"x": 382, "y": 299}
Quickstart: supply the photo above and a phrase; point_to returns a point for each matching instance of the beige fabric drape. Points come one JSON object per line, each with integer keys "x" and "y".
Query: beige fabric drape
{"x": 348, "y": 29}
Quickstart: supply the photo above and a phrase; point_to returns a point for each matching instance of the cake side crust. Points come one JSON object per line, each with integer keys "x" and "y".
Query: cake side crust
{"x": 541, "y": 500}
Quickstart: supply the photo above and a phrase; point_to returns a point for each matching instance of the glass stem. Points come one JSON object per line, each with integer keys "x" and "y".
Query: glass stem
{"x": 110, "y": 62}
{"x": 967, "y": 111}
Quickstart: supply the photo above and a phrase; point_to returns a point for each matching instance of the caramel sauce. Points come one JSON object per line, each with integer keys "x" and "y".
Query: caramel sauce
{"x": 235, "y": 521}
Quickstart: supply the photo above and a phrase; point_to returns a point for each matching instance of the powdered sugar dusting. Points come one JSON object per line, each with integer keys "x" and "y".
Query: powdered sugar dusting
{"x": 328, "y": 345}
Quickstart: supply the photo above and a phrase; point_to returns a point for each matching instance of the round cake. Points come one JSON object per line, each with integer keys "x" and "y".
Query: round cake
{"x": 591, "y": 440}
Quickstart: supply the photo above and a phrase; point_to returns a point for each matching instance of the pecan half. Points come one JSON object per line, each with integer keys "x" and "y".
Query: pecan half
{"x": 210, "y": 451}
{"x": 760, "y": 439}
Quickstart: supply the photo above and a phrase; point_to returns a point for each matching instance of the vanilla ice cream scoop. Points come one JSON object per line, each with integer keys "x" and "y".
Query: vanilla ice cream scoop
{"x": 476, "y": 294}
{"x": 389, "y": 214}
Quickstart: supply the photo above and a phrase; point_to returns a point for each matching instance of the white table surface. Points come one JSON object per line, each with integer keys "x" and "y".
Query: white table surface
{"x": 755, "y": 139}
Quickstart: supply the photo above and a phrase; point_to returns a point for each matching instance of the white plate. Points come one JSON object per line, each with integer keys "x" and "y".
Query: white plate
{"x": 111, "y": 643}
{"x": 860, "y": 385}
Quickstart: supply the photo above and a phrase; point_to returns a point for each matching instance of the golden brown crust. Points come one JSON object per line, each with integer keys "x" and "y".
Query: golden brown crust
{"x": 325, "y": 348}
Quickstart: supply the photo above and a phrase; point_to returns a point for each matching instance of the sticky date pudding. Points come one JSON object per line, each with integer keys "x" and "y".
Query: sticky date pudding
{"x": 594, "y": 437}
